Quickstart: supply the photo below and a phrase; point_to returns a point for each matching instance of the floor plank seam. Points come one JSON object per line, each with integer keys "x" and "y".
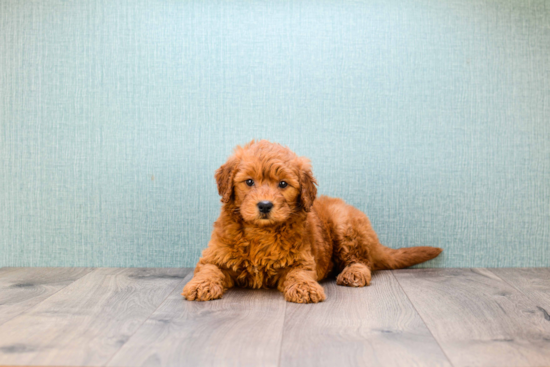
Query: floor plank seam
{"x": 180, "y": 284}
{"x": 45, "y": 299}
{"x": 421, "y": 318}
{"x": 282, "y": 335}
{"x": 513, "y": 286}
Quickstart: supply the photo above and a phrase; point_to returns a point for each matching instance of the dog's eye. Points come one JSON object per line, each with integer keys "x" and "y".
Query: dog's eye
{"x": 283, "y": 184}
{"x": 250, "y": 182}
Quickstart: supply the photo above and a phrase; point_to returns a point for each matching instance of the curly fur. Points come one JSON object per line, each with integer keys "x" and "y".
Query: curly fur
{"x": 300, "y": 242}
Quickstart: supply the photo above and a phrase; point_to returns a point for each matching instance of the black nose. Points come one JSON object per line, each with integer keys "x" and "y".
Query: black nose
{"x": 265, "y": 206}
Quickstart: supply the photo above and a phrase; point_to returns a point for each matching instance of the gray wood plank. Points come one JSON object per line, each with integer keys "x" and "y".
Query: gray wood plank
{"x": 533, "y": 282}
{"x": 89, "y": 320}
{"x": 244, "y": 328}
{"x": 23, "y": 288}
{"x": 371, "y": 326}
{"x": 477, "y": 318}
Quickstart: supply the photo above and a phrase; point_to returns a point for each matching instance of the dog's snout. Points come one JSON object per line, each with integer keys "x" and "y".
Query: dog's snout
{"x": 265, "y": 206}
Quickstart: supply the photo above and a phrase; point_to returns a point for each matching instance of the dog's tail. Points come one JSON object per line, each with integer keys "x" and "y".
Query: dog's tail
{"x": 388, "y": 258}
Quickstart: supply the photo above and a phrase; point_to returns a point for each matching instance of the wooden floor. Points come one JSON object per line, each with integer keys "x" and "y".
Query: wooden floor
{"x": 137, "y": 317}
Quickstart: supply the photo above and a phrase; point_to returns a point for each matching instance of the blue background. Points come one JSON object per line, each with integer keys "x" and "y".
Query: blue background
{"x": 432, "y": 116}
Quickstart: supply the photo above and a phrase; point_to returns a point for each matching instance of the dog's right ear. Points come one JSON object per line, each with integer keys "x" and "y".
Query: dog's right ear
{"x": 224, "y": 177}
{"x": 308, "y": 182}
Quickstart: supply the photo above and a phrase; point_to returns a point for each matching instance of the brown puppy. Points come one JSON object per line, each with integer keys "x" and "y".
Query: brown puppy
{"x": 274, "y": 232}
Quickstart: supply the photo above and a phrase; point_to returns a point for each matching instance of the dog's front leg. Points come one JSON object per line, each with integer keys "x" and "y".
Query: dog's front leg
{"x": 299, "y": 285}
{"x": 209, "y": 282}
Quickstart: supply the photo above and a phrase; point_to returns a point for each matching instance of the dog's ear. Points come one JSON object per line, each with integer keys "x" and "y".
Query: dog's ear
{"x": 224, "y": 177}
{"x": 307, "y": 181}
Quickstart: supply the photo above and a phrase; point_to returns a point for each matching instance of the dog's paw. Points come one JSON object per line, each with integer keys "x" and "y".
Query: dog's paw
{"x": 305, "y": 292}
{"x": 202, "y": 290}
{"x": 354, "y": 275}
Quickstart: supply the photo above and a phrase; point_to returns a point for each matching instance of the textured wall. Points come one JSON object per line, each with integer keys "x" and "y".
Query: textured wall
{"x": 432, "y": 116}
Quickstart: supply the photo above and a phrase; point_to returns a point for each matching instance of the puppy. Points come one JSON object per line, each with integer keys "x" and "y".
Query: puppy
{"x": 273, "y": 231}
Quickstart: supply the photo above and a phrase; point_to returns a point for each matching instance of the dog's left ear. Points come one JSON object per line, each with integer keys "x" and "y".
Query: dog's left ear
{"x": 307, "y": 181}
{"x": 224, "y": 178}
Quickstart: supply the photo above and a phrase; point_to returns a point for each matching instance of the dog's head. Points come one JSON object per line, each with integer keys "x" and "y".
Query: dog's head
{"x": 267, "y": 183}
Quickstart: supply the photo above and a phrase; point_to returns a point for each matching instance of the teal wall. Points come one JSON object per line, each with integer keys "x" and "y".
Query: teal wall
{"x": 432, "y": 116}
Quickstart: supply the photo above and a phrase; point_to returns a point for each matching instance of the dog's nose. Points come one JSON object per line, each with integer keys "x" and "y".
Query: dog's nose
{"x": 265, "y": 206}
